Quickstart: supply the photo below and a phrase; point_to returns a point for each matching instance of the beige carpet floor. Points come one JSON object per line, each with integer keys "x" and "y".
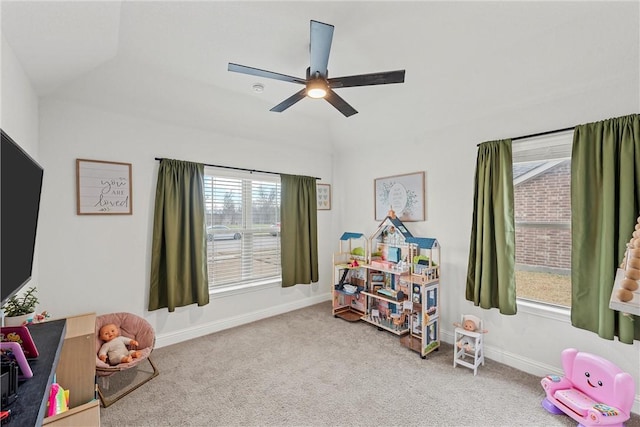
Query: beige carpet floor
{"x": 307, "y": 368}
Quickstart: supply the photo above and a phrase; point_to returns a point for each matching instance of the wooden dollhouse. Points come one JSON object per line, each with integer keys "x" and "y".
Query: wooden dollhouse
{"x": 402, "y": 289}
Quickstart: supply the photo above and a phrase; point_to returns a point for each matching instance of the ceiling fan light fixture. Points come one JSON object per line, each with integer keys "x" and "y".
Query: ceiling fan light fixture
{"x": 316, "y": 88}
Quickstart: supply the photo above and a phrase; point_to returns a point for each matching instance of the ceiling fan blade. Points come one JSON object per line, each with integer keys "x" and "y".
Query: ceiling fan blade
{"x": 290, "y": 101}
{"x": 263, "y": 73}
{"x": 320, "y": 46}
{"x": 340, "y": 104}
{"x": 367, "y": 79}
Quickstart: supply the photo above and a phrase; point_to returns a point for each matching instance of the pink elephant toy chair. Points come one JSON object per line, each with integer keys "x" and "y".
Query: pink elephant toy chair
{"x": 593, "y": 391}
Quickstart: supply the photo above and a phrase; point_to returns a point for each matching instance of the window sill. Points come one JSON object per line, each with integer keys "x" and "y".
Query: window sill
{"x": 548, "y": 311}
{"x": 243, "y": 288}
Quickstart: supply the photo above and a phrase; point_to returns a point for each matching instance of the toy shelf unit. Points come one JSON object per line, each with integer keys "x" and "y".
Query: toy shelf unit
{"x": 424, "y": 320}
{"x": 349, "y": 277}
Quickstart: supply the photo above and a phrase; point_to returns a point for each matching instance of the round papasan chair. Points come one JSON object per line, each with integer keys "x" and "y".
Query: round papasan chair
{"x": 125, "y": 379}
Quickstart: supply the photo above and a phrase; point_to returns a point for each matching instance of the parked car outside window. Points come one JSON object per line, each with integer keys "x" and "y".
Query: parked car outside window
{"x": 275, "y": 229}
{"x": 222, "y": 232}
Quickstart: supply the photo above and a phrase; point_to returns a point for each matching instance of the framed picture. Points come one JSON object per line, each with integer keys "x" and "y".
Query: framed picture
{"x": 103, "y": 188}
{"x": 402, "y": 193}
{"x": 323, "y": 192}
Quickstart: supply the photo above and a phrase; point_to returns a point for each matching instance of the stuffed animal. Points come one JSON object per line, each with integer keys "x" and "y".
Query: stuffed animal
{"x": 115, "y": 346}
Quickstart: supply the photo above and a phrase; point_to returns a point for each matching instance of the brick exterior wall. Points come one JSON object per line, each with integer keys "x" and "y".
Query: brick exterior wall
{"x": 545, "y": 200}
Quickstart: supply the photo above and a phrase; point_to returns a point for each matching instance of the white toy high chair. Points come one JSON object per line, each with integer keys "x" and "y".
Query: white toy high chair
{"x": 471, "y": 344}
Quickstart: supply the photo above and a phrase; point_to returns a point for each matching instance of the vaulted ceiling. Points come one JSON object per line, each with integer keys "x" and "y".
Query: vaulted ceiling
{"x": 168, "y": 60}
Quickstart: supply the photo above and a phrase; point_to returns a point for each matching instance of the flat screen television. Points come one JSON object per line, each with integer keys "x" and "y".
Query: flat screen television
{"x": 21, "y": 186}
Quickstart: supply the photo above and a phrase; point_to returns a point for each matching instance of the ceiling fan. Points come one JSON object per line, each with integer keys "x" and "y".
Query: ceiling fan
{"x": 317, "y": 83}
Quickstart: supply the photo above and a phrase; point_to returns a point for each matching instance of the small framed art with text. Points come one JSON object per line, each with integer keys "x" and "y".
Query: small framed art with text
{"x": 103, "y": 188}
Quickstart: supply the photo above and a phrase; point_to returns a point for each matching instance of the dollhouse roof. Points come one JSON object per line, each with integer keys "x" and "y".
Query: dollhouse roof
{"x": 399, "y": 225}
{"x": 347, "y": 235}
{"x": 423, "y": 242}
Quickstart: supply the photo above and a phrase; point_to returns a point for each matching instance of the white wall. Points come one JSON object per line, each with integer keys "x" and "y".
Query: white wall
{"x": 101, "y": 263}
{"x": 19, "y": 108}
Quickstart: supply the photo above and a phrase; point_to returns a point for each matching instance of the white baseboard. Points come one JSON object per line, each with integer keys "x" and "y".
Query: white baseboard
{"x": 177, "y": 337}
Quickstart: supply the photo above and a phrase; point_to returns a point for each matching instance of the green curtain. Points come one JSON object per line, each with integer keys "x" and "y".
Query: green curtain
{"x": 605, "y": 203}
{"x": 491, "y": 270}
{"x": 298, "y": 230}
{"x": 179, "y": 248}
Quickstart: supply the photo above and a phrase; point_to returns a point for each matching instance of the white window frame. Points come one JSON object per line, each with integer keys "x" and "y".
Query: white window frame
{"x": 246, "y": 244}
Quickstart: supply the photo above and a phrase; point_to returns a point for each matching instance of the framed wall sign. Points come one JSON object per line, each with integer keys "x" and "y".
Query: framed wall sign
{"x": 103, "y": 188}
{"x": 323, "y": 192}
{"x": 402, "y": 193}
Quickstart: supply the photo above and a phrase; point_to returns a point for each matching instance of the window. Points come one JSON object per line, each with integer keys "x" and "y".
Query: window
{"x": 542, "y": 202}
{"x": 243, "y": 228}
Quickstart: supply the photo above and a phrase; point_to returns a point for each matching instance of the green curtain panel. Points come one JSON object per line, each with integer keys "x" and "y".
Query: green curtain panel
{"x": 298, "y": 230}
{"x": 179, "y": 248}
{"x": 605, "y": 203}
{"x": 491, "y": 270}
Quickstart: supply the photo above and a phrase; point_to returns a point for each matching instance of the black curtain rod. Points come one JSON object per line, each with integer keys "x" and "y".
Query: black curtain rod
{"x": 237, "y": 169}
{"x": 549, "y": 132}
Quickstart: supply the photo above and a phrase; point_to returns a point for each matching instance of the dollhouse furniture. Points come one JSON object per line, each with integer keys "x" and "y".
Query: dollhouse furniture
{"x": 469, "y": 344}
{"x": 130, "y": 326}
{"x": 593, "y": 391}
{"x": 399, "y": 320}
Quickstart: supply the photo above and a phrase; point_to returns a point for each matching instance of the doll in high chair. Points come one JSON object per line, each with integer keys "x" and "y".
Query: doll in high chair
{"x": 467, "y": 342}
{"x": 469, "y": 337}
{"x": 115, "y": 346}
